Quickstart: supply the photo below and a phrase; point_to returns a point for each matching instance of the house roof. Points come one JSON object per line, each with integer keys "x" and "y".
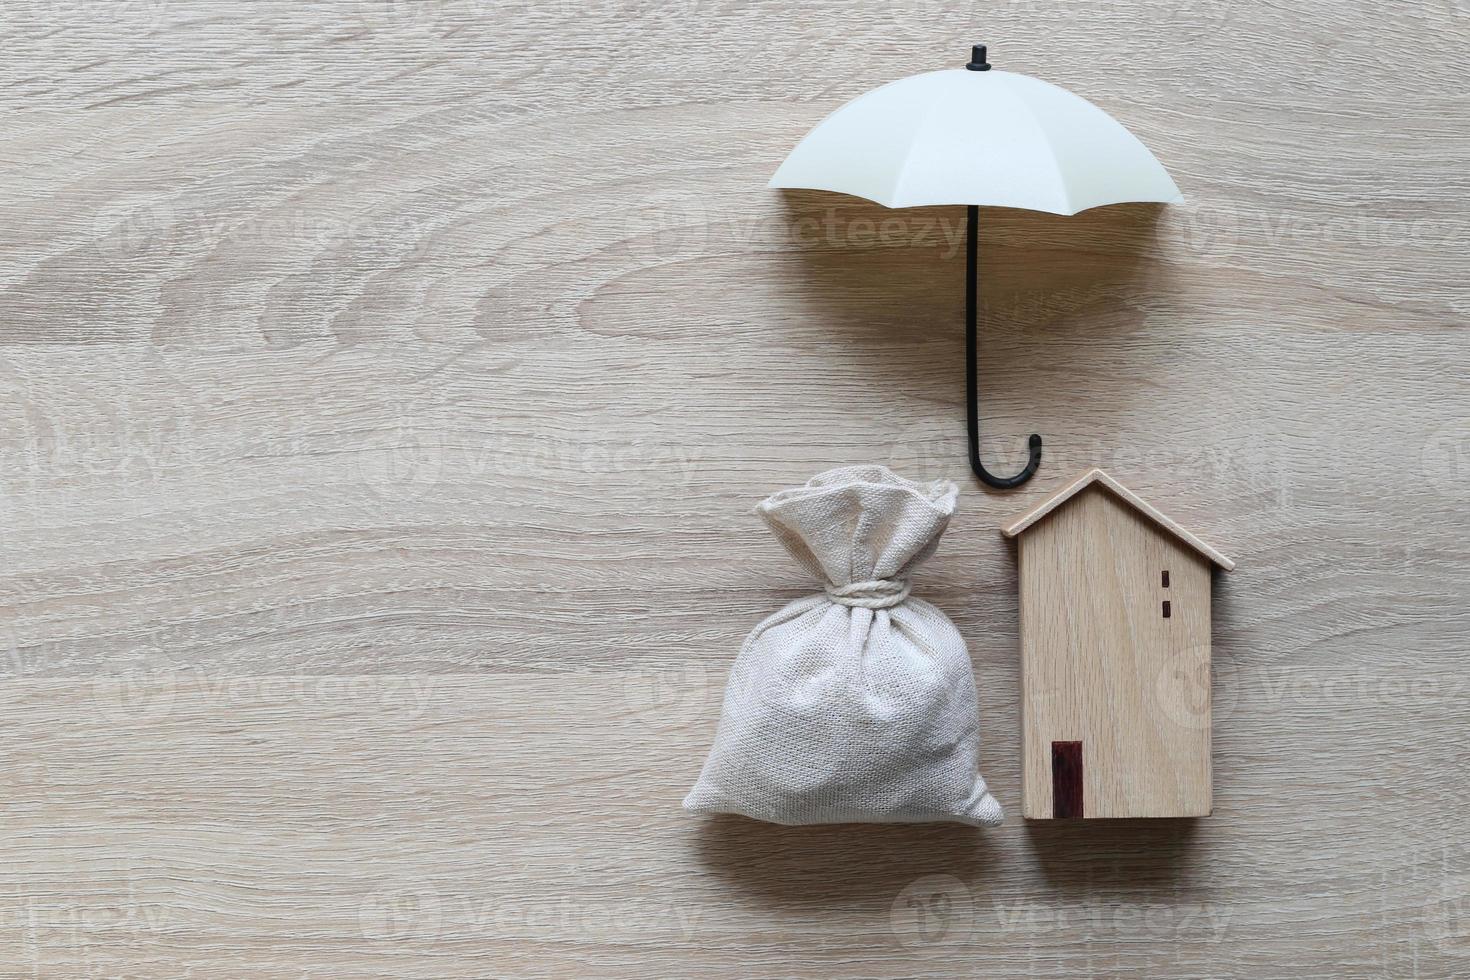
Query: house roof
{"x": 1117, "y": 489}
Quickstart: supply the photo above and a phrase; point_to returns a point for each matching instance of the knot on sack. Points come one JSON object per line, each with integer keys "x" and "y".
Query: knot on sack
{"x": 878, "y": 593}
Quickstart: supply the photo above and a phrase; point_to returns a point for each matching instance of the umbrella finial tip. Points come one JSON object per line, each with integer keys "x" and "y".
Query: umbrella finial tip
{"x": 977, "y": 58}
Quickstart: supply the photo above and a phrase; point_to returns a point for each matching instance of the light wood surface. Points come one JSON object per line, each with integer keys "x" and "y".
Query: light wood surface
{"x": 387, "y": 386}
{"x": 1102, "y": 665}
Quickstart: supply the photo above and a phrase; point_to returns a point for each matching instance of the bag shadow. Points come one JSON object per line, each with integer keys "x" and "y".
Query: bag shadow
{"x": 830, "y": 864}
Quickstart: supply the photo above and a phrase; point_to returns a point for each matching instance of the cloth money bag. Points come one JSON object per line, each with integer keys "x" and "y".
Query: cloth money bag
{"x": 856, "y": 704}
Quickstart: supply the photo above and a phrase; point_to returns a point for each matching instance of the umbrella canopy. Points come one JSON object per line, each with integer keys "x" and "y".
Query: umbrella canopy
{"x": 977, "y": 137}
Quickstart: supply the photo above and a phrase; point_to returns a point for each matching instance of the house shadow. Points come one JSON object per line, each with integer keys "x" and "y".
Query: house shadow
{"x": 1055, "y": 293}
{"x": 1114, "y": 857}
{"x": 846, "y": 865}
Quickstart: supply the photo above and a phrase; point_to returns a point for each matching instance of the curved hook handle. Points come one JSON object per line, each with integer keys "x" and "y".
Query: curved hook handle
{"x": 1007, "y": 482}
{"x": 972, "y": 369}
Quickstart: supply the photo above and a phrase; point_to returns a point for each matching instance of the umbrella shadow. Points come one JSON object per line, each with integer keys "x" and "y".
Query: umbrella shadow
{"x": 839, "y": 864}
{"x": 891, "y": 283}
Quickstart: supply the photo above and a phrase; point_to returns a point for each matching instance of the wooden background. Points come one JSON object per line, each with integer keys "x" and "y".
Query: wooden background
{"x": 387, "y": 384}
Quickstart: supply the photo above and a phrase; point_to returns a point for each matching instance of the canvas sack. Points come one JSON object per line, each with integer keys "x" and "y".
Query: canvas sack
{"x": 856, "y": 704}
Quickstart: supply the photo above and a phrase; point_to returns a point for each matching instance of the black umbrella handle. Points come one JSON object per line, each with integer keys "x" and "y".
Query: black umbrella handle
{"x": 972, "y": 365}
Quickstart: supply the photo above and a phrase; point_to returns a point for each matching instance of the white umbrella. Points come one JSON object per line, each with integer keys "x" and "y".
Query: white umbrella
{"x": 975, "y": 136}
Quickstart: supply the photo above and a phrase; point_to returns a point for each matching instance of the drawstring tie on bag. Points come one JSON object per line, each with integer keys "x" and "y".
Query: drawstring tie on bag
{"x": 879, "y": 593}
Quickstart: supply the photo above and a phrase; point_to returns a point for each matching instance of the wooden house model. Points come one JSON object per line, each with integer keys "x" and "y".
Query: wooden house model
{"x": 1115, "y": 656}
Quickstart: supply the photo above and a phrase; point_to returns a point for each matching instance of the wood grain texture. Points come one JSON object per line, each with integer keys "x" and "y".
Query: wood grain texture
{"x": 1101, "y": 666}
{"x": 386, "y": 386}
